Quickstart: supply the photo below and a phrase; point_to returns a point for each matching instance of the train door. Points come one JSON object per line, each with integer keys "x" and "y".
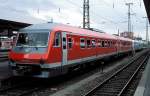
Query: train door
{"x": 64, "y": 48}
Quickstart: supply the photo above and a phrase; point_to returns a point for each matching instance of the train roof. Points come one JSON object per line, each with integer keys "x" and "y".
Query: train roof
{"x": 75, "y": 30}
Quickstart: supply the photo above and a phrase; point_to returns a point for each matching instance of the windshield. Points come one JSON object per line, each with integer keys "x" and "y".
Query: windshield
{"x": 33, "y": 39}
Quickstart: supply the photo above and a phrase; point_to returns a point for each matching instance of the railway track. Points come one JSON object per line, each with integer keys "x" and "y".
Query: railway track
{"x": 24, "y": 88}
{"x": 31, "y": 88}
{"x": 117, "y": 83}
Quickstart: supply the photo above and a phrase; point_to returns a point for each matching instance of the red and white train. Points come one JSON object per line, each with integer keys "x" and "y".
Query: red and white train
{"x": 50, "y": 49}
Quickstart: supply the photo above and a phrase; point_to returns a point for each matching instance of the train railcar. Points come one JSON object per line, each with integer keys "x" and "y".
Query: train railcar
{"x": 144, "y": 44}
{"x": 124, "y": 45}
{"x": 138, "y": 45}
{"x": 5, "y": 46}
{"x": 5, "y": 43}
{"x": 51, "y": 49}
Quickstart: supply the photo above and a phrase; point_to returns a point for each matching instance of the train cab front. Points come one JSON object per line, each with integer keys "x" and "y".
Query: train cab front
{"x": 29, "y": 53}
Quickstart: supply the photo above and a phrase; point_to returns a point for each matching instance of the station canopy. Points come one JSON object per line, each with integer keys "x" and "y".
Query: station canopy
{"x": 147, "y": 7}
{"x": 7, "y": 27}
{"x": 13, "y": 25}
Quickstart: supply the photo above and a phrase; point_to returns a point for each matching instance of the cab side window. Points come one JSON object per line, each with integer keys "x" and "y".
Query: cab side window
{"x": 57, "y": 40}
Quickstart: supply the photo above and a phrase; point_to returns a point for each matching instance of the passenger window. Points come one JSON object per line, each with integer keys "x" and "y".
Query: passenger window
{"x": 111, "y": 44}
{"x": 70, "y": 43}
{"x": 99, "y": 43}
{"x": 57, "y": 40}
{"x": 82, "y": 43}
{"x": 93, "y": 43}
{"x": 103, "y": 45}
{"x": 114, "y": 44}
{"x": 106, "y": 44}
{"x": 88, "y": 43}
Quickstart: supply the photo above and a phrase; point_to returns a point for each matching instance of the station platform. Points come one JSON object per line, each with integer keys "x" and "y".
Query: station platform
{"x": 3, "y": 53}
{"x": 143, "y": 88}
{"x": 4, "y": 70}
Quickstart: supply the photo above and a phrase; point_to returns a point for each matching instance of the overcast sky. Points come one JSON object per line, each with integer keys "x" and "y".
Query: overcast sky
{"x": 106, "y": 15}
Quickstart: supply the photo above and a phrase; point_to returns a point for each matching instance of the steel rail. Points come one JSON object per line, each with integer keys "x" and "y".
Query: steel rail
{"x": 132, "y": 77}
{"x": 16, "y": 86}
{"x": 29, "y": 91}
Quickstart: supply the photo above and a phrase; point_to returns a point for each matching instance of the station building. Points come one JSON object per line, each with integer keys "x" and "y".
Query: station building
{"x": 8, "y": 29}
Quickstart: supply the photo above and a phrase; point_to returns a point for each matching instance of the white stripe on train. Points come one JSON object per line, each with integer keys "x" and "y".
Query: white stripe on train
{"x": 58, "y": 64}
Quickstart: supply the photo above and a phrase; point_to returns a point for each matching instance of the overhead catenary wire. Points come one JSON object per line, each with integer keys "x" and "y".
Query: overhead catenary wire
{"x": 107, "y": 19}
{"x": 112, "y": 7}
{"x": 96, "y": 15}
{"x": 100, "y": 18}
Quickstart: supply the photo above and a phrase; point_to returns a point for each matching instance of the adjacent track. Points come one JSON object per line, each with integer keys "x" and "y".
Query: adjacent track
{"x": 117, "y": 83}
{"x": 23, "y": 88}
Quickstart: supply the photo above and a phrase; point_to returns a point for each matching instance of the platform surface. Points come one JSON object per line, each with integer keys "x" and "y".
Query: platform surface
{"x": 143, "y": 88}
{"x": 4, "y": 70}
{"x": 3, "y": 54}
